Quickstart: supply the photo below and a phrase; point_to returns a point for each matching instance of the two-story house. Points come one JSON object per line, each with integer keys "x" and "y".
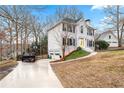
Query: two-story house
{"x": 68, "y": 34}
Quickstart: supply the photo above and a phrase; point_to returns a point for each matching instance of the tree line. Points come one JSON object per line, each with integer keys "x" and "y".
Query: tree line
{"x": 19, "y": 29}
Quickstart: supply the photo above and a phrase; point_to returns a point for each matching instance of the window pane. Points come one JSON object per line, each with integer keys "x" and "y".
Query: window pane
{"x": 64, "y": 27}
{"x": 73, "y": 29}
{"x": 81, "y": 29}
{"x": 73, "y": 42}
{"x": 70, "y": 41}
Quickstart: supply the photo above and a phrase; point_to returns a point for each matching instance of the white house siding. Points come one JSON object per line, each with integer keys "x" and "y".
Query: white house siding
{"x": 55, "y": 40}
{"x": 112, "y": 41}
{"x": 84, "y": 35}
{"x": 55, "y": 37}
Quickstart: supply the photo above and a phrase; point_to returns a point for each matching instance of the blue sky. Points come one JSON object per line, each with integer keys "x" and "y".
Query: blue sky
{"x": 95, "y": 13}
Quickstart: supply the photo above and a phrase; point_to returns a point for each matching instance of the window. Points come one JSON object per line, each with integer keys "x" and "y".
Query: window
{"x": 70, "y": 42}
{"x": 81, "y": 29}
{"x": 87, "y": 42}
{"x": 109, "y": 36}
{"x": 51, "y": 53}
{"x": 73, "y": 42}
{"x": 64, "y": 41}
{"x": 114, "y": 42}
{"x": 73, "y": 29}
{"x": 70, "y": 28}
{"x": 64, "y": 27}
{"x": 57, "y": 54}
{"x": 90, "y": 43}
{"x": 90, "y": 32}
{"x": 93, "y": 32}
{"x": 93, "y": 43}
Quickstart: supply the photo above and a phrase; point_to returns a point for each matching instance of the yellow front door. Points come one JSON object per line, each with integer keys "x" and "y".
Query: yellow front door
{"x": 81, "y": 44}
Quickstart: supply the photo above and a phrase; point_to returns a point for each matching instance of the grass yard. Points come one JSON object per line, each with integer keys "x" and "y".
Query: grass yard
{"x": 76, "y": 54}
{"x": 104, "y": 70}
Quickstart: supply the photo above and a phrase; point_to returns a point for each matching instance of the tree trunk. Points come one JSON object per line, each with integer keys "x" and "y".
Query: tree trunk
{"x": 16, "y": 41}
{"x": 121, "y": 34}
{"x": 21, "y": 43}
{"x": 11, "y": 43}
{"x": 0, "y": 50}
{"x": 63, "y": 51}
{"x": 118, "y": 32}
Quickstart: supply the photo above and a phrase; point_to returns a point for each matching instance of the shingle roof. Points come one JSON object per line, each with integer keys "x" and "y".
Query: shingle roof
{"x": 69, "y": 20}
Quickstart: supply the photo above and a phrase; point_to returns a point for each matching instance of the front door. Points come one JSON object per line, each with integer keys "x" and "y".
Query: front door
{"x": 81, "y": 42}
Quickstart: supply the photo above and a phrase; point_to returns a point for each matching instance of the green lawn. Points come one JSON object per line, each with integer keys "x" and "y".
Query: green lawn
{"x": 76, "y": 54}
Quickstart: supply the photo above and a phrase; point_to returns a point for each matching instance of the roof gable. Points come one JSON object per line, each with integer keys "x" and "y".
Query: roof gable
{"x": 106, "y": 32}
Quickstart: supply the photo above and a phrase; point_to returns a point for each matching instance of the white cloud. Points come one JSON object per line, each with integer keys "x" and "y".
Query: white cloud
{"x": 98, "y": 7}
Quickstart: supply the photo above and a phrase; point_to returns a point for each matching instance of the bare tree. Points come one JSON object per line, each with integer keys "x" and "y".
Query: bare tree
{"x": 114, "y": 14}
{"x": 122, "y": 29}
{"x": 2, "y": 37}
{"x": 71, "y": 12}
{"x": 20, "y": 24}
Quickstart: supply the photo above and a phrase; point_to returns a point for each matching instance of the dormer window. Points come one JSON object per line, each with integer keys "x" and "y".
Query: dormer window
{"x": 81, "y": 29}
{"x": 109, "y": 36}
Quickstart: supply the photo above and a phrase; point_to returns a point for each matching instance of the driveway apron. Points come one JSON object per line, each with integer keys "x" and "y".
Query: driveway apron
{"x": 31, "y": 75}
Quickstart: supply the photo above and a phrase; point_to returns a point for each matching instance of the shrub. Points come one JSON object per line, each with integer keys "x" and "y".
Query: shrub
{"x": 101, "y": 45}
{"x": 79, "y": 48}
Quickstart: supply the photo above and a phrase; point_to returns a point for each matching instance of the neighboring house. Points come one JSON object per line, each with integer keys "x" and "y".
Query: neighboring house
{"x": 70, "y": 34}
{"x": 110, "y": 37}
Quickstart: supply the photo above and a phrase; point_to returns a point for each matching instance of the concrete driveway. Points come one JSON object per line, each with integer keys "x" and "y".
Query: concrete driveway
{"x": 31, "y": 75}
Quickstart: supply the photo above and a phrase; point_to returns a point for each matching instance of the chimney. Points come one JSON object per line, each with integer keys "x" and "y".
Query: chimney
{"x": 88, "y": 22}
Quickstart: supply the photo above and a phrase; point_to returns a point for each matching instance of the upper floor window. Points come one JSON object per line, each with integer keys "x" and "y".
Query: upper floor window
{"x": 109, "y": 36}
{"x": 64, "y": 41}
{"x": 64, "y": 27}
{"x": 69, "y": 28}
{"x": 93, "y": 32}
{"x": 70, "y": 41}
{"x": 90, "y": 32}
{"x": 73, "y": 42}
{"x": 81, "y": 29}
{"x": 73, "y": 29}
